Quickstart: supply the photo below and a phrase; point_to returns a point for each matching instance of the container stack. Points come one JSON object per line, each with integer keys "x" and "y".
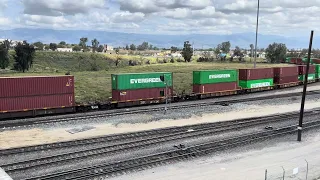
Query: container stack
{"x": 256, "y": 78}
{"x": 210, "y": 81}
{"x": 285, "y": 75}
{"x": 303, "y": 71}
{"x": 140, "y": 86}
{"x": 29, "y": 93}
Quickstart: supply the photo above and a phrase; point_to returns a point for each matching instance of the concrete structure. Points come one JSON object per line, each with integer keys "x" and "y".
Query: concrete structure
{"x": 64, "y": 49}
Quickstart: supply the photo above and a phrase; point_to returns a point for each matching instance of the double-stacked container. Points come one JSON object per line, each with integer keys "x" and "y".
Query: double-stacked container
{"x": 256, "y": 78}
{"x": 141, "y": 86}
{"x": 37, "y": 92}
{"x": 210, "y": 81}
{"x": 303, "y": 71}
{"x": 285, "y": 75}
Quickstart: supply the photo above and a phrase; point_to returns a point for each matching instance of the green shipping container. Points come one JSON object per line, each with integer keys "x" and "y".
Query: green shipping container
{"x": 140, "y": 80}
{"x": 256, "y": 83}
{"x": 310, "y": 77}
{"x": 317, "y": 71}
{"x": 214, "y": 76}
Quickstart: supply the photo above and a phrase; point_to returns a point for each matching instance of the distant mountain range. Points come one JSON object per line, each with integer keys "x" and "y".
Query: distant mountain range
{"x": 121, "y": 39}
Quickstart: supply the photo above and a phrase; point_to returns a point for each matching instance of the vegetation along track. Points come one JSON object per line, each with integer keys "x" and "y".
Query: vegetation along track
{"x": 137, "y": 140}
{"x": 145, "y": 162}
{"x": 30, "y": 122}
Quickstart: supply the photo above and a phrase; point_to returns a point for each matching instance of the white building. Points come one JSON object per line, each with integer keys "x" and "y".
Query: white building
{"x": 108, "y": 48}
{"x": 64, "y": 49}
{"x": 176, "y": 54}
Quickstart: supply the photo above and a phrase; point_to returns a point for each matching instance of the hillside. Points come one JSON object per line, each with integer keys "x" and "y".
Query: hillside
{"x": 160, "y": 40}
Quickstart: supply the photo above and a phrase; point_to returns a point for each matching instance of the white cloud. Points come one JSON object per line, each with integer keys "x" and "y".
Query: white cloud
{"x": 165, "y": 16}
{"x": 120, "y": 17}
{"x": 5, "y": 21}
{"x": 3, "y": 5}
{"x": 60, "y": 7}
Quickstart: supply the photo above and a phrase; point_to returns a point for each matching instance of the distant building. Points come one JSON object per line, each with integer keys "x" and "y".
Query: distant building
{"x": 108, "y": 48}
{"x": 176, "y": 54}
{"x": 64, "y": 49}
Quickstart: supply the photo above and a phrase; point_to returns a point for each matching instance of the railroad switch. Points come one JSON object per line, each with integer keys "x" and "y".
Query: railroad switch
{"x": 268, "y": 127}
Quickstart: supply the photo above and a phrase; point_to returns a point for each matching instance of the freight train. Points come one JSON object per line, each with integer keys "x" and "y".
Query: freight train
{"x": 46, "y": 95}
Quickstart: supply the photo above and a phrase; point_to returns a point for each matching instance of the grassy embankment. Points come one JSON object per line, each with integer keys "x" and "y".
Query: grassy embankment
{"x": 96, "y": 85}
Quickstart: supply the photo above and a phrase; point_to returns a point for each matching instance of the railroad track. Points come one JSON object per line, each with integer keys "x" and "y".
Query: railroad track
{"x": 12, "y": 124}
{"x": 145, "y": 162}
{"x": 139, "y": 140}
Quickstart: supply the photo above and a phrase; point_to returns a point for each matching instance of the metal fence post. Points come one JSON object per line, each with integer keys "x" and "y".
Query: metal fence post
{"x": 266, "y": 175}
{"x": 307, "y": 169}
{"x": 284, "y": 172}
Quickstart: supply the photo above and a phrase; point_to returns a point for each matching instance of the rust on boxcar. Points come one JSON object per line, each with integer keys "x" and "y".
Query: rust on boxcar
{"x": 211, "y": 88}
{"x": 254, "y": 74}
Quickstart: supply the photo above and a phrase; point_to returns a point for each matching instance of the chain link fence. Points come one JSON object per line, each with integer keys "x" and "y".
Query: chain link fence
{"x": 296, "y": 168}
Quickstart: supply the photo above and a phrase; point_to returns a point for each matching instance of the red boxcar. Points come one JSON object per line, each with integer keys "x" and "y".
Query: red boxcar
{"x": 286, "y": 79}
{"x": 34, "y": 86}
{"x": 137, "y": 94}
{"x": 296, "y": 61}
{"x": 316, "y": 61}
{"x": 286, "y": 71}
{"x": 253, "y": 74}
{"x": 303, "y": 69}
{"x": 36, "y": 102}
{"x": 211, "y": 88}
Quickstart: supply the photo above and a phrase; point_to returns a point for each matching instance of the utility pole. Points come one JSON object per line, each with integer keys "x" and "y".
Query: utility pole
{"x": 257, "y": 26}
{"x": 305, "y": 89}
{"x": 165, "y": 81}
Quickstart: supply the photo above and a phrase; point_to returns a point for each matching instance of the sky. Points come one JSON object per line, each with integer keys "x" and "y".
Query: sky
{"x": 277, "y": 17}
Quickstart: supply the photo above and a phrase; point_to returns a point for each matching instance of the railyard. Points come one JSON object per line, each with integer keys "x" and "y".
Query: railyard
{"x": 60, "y": 157}
{"x": 227, "y": 109}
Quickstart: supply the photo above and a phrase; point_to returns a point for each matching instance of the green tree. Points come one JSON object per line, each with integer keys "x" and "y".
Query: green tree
{"x": 251, "y": 51}
{"x": 83, "y": 43}
{"x": 53, "y": 46}
{"x": 24, "y": 56}
{"x": 143, "y": 46}
{"x": 133, "y": 47}
{"x": 39, "y": 45}
{"x": 217, "y": 50}
{"x": 95, "y": 44}
{"x": 4, "y": 55}
{"x": 187, "y": 51}
{"x": 76, "y": 48}
{"x": 237, "y": 51}
{"x": 63, "y": 43}
{"x": 276, "y": 52}
{"x": 225, "y": 47}
{"x": 174, "y": 49}
{"x": 127, "y": 47}
{"x": 100, "y": 48}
